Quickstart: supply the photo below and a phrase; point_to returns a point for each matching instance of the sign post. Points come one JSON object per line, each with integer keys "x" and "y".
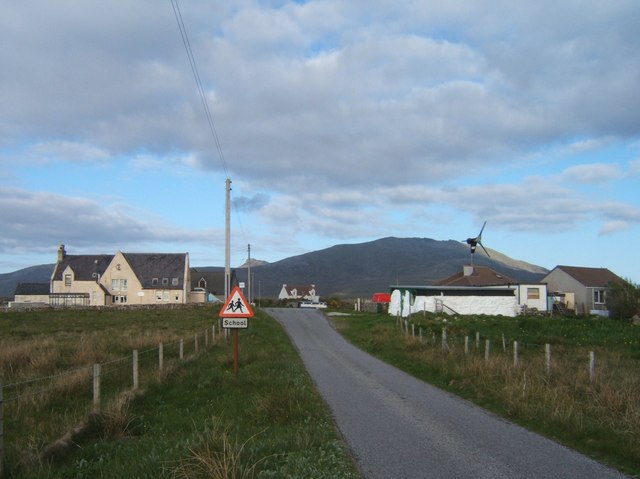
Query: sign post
{"x": 235, "y": 314}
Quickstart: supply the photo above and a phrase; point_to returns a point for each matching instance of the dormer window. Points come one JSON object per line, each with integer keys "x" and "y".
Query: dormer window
{"x": 165, "y": 281}
{"x": 67, "y": 279}
{"x": 154, "y": 281}
{"x": 174, "y": 281}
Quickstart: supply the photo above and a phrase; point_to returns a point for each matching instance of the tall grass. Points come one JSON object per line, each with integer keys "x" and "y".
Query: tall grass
{"x": 600, "y": 418}
{"x": 199, "y": 421}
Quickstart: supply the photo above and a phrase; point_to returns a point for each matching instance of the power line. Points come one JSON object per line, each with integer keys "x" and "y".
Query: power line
{"x": 196, "y": 76}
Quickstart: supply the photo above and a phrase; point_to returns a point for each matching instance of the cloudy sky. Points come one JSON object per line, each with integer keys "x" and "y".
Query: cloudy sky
{"x": 337, "y": 121}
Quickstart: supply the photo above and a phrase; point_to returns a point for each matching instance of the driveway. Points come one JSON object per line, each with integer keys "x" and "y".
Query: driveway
{"x": 400, "y": 427}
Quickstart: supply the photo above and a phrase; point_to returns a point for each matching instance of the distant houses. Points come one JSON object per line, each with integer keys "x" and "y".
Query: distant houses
{"x": 481, "y": 290}
{"x": 306, "y": 291}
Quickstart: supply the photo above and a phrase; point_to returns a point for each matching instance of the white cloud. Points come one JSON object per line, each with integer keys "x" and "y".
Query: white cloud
{"x": 32, "y": 219}
{"x": 611, "y": 227}
{"x": 595, "y": 173}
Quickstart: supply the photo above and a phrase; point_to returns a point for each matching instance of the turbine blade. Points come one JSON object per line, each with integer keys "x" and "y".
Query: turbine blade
{"x": 485, "y": 249}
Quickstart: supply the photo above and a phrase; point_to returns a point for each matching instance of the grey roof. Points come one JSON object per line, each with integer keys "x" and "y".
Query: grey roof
{"x": 84, "y": 266}
{"x": 590, "y": 277}
{"x": 150, "y": 266}
{"x": 32, "y": 289}
{"x": 214, "y": 280}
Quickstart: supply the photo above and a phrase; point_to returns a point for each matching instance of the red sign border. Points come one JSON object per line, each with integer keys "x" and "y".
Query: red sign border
{"x": 247, "y": 314}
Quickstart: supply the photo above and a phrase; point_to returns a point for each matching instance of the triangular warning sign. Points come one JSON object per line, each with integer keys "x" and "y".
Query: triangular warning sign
{"x": 236, "y": 306}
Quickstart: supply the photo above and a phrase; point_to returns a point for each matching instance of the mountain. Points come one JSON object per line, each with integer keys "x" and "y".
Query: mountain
{"x": 33, "y": 274}
{"x": 353, "y": 270}
{"x": 349, "y": 270}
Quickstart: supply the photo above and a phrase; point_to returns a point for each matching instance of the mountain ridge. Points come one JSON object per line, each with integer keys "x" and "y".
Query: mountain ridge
{"x": 349, "y": 270}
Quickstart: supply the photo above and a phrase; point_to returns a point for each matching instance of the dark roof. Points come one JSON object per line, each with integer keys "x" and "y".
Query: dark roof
{"x": 149, "y": 266}
{"x": 301, "y": 289}
{"x": 84, "y": 266}
{"x": 214, "y": 280}
{"x": 591, "y": 277}
{"x": 32, "y": 289}
{"x": 481, "y": 276}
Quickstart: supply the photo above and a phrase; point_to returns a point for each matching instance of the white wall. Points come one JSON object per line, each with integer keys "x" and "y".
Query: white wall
{"x": 490, "y": 305}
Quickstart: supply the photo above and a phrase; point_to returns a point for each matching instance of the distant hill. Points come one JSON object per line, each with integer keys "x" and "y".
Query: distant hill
{"x": 349, "y": 270}
{"x": 353, "y": 270}
{"x": 33, "y": 274}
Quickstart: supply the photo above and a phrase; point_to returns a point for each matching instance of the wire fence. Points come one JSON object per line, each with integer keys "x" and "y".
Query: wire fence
{"x": 35, "y": 412}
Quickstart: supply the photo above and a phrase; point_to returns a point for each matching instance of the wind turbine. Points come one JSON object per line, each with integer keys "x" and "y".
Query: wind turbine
{"x": 474, "y": 242}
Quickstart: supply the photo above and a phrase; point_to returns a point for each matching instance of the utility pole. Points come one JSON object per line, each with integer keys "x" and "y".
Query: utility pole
{"x": 249, "y": 271}
{"x": 227, "y": 246}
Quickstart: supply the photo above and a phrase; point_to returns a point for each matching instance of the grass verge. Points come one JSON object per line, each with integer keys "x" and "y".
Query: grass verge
{"x": 203, "y": 421}
{"x": 600, "y": 418}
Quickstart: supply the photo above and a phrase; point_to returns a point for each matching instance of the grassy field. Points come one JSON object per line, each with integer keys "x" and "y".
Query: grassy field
{"x": 196, "y": 419}
{"x": 600, "y": 418}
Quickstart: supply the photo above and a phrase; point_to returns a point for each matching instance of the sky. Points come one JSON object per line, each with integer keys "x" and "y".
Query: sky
{"x": 337, "y": 122}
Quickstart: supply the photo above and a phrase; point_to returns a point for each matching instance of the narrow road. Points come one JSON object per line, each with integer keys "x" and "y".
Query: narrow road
{"x": 400, "y": 427}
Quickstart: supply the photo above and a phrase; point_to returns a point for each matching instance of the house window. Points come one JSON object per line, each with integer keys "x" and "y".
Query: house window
{"x": 165, "y": 281}
{"x": 174, "y": 281}
{"x": 202, "y": 283}
{"x": 154, "y": 281}
{"x": 177, "y": 297}
{"x": 119, "y": 299}
{"x": 123, "y": 285}
{"x": 165, "y": 296}
{"x": 115, "y": 285}
{"x": 599, "y": 296}
{"x": 158, "y": 295}
{"x": 67, "y": 280}
{"x": 533, "y": 293}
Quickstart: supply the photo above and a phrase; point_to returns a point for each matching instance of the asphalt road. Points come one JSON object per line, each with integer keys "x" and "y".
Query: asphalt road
{"x": 400, "y": 427}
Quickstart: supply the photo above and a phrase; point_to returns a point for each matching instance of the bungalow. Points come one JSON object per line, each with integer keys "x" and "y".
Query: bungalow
{"x": 580, "y": 289}
{"x": 475, "y": 290}
{"x": 208, "y": 286}
{"x": 30, "y": 295}
{"x": 532, "y": 296}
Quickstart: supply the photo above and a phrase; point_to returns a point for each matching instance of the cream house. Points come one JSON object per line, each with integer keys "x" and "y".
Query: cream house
{"x": 120, "y": 279}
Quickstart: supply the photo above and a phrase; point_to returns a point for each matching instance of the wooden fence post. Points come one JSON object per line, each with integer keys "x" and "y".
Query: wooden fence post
{"x": 433, "y": 338}
{"x": 160, "y": 360}
{"x": 466, "y": 345}
{"x": 213, "y": 333}
{"x": 477, "y": 340}
{"x": 413, "y": 330}
{"x": 206, "y": 339}
{"x": 515, "y": 354}
{"x": 547, "y": 357}
{"x": 504, "y": 343}
{"x": 182, "y": 349}
{"x": 592, "y": 366}
{"x": 445, "y": 344}
{"x": 196, "y": 343}
{"x": 1, "y": 432}
{"x": 96, "y": 387}
{"x": 136, "y": 383}
{"x": 487, "y": 348}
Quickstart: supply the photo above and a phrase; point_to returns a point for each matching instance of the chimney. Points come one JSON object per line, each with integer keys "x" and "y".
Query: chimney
{"x": 61, "y": 253}
{"x": 467, "y": 270}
